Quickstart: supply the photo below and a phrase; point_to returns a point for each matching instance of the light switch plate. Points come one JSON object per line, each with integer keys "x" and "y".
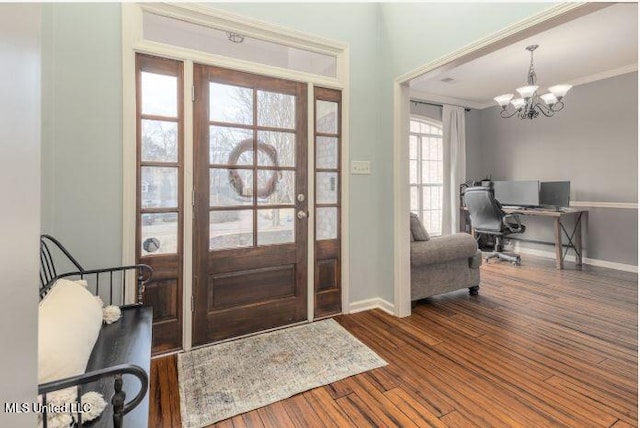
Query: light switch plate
{"x": 360, "y": 167}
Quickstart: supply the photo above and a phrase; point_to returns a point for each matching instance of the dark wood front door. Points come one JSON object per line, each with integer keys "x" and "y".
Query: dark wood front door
{"x": 250, "y": 203}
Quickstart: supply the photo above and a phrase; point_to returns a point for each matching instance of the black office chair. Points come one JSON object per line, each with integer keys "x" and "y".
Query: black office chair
{"x": 487, "y": 217}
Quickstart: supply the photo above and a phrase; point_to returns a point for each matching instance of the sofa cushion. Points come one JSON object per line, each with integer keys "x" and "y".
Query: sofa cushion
{"x": 442, "y": 249}
{"x": 418, "y": 232}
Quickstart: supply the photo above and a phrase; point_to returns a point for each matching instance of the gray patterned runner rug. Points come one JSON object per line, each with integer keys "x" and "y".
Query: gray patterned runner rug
{"x": 223, "y": 380}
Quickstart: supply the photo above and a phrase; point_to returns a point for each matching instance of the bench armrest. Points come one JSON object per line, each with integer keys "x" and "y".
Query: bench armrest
{"x": 143, "y": 274}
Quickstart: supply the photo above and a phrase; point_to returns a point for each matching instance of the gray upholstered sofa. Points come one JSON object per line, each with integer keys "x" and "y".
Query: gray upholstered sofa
{"x": 442, "y": 264}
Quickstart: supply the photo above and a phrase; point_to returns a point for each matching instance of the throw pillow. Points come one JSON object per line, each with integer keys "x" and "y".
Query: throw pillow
{"x": 69, "y": 320}
{"x": 418, "y": 231}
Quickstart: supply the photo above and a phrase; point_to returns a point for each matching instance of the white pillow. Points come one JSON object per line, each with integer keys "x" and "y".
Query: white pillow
{"x": 69, "y": 320}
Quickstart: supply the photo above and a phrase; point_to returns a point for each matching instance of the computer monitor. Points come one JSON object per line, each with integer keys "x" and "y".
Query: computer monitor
{"x": 555, "y": 193}
{"x": 521, "y": 193}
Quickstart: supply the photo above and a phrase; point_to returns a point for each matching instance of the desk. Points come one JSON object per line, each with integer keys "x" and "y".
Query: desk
{"x": 574, "y": 239}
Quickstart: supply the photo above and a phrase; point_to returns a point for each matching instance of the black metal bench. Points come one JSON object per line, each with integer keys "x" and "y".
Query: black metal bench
{"x": 119, "y": 364}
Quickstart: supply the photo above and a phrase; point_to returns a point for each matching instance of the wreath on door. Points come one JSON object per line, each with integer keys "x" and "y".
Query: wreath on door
{"x": 236, "y": 180}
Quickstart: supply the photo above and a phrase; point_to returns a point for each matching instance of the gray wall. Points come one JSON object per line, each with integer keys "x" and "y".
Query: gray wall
{"x": 593, "y": 143}
{"x": 20, "y": 218}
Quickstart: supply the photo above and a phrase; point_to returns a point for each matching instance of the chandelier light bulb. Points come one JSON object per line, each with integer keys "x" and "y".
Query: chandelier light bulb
{"x": 503, "y": 100}
{"x": 527, "y": 92}
{"x": 549, "y": 99}
{"x": 560, "y": 90}
{"x": 518, "y": 103}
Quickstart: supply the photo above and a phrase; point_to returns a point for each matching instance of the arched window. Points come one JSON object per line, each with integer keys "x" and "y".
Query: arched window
{"x": 426, "y": 172}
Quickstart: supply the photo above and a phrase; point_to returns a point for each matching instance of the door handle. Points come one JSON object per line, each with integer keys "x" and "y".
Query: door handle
{"x": 302, "y": 214}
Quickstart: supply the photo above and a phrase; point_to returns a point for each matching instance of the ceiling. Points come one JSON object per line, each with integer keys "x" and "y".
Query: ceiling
{"x": 598, "y": 45}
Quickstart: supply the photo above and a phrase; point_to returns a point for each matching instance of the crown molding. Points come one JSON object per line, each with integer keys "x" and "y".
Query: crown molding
{"x": 607, "y": 74}
{"x": 604, "y": 75}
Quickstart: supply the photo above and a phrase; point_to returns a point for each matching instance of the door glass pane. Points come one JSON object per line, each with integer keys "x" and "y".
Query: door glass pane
{"x": 216, "y": 41}
{"x": 230, "y": 146}
{"x": 327, "y": 152}
{"x": 159, "y": 187}
{"x": 278, "y": 148}
{"x": 414, "y": 126}
{"x": 159, "y": 141}
{"x": 326, "y": 223}
{"x": 231, "y": 104}
{"x": 228, "y": 187}
{"x": 326, "y": 117}
{"x": 159, "y": 233}
{"x": 159, "y": 94}
{"x": 275, "y": 226}
{"x": 276, "y": 110}
{"x": 230, "y": 229}
{"x": 327, "y": 187}
{"x": 276, "y": 187}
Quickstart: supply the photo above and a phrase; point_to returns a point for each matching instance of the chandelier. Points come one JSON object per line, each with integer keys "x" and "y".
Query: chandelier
{"x": 530, "y": 104}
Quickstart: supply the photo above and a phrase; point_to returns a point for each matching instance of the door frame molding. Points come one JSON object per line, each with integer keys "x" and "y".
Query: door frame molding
{"x": 548, "y": 18}
{"x": 133, "y": 42}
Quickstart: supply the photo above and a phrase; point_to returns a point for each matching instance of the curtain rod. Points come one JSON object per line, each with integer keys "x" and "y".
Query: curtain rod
{"x": 438, "y": 105}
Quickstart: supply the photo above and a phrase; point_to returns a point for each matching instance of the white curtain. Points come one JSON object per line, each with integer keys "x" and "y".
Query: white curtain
{"x": 453, "y": 133}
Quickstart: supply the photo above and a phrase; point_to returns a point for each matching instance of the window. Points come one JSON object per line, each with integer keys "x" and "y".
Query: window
{"x": 426, "y": 174}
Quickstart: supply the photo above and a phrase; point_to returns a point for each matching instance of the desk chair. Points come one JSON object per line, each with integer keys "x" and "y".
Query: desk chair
{"x": 487, "y": 217}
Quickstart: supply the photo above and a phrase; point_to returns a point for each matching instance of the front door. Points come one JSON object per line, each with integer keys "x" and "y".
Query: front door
{"x": 250, "y": 203}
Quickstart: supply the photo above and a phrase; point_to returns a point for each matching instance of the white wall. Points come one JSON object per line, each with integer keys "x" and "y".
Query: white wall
{"x": 357, "y": 24}
{"x": 84, "y": 135}
{"x": 82, "y": 130}
{"x": 20, "y": 218}
{"x": 405, "y": 36}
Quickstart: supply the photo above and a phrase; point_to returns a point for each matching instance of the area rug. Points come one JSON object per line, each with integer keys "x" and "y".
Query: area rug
{"x": 223, "y": 380}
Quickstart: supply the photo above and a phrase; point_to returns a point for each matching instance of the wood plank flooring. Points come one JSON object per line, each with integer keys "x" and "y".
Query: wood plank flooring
{"x": 537, "y": 347}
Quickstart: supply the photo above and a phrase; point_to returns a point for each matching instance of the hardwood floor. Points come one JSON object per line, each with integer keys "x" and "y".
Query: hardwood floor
{"x": 536, "y": 348}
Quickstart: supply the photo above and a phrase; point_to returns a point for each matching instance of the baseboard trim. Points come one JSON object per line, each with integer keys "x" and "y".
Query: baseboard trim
{"x": 572, "y": 258}
{"x": 374, "y": 303}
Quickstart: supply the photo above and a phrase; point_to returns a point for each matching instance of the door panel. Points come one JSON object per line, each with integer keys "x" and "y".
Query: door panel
{"x": 328, "y": 289}
{"x": 250, "y": 246}
{"x": 159, "y": 193}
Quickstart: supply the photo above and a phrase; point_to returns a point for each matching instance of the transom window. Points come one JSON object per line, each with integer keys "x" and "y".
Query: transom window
{"x": 426, "y": 172}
